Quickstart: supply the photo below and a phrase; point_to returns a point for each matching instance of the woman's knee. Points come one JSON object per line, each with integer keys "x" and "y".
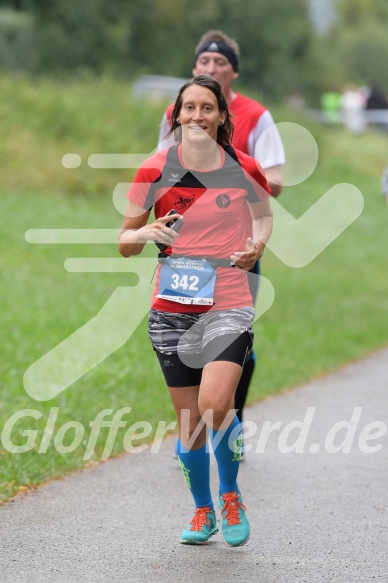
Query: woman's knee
{"x": 216, "y": 412}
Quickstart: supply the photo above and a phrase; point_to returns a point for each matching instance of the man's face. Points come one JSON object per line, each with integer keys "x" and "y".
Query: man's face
{"x": 217, "y": 66}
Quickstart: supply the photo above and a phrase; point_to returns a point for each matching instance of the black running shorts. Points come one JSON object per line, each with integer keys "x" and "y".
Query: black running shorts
{"x": 185, "y": 343}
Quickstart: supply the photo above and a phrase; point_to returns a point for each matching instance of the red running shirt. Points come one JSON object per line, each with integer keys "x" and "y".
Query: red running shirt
{"x": 213, "y": 204}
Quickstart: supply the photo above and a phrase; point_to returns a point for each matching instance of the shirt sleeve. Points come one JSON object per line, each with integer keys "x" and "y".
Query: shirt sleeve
{"x": 265, "y": 143}
{"x": 257, "y": 185}
{"x": 142, "y": 189}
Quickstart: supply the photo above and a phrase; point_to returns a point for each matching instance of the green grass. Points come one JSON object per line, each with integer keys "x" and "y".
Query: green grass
{"x": 328, "y": 313}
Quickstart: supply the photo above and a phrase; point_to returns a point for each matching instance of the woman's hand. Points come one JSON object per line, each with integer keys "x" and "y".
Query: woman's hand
{"x": 135, "y": 232}
{"x": 246, "y": 259}
{"x": 158, "y": 231}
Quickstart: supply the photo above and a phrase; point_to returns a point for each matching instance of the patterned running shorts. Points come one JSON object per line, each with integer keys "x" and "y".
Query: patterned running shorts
{"x": 187, "y": 342}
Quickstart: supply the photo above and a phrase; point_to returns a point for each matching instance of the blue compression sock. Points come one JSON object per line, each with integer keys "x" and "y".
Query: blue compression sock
{"x": 228, "y": 458}
{"x": 195, "y": 464}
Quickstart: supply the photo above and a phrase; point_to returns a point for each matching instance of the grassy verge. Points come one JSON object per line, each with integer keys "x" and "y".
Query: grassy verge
{"x": 332, "y": 311}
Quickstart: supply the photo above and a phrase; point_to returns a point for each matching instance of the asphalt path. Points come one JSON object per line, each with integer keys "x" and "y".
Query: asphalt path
{"x": 315, "y": 487}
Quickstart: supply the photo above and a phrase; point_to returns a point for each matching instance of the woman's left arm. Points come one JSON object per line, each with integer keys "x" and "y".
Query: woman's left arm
{"x": 262, "y": 218}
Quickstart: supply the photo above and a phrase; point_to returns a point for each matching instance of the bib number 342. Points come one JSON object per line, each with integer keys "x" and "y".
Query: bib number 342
{"x": 187, "y": 281}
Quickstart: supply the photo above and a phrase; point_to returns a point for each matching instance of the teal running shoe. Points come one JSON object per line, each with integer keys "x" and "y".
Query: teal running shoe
{"x": 235, "y": 525}
{"x": 202, "y": 526}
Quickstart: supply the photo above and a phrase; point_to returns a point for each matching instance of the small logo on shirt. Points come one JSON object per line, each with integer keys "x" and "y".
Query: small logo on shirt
{"x": 223, "y": 201}
{"x": 183, "y": 202}
{"x": 174, "y": 178}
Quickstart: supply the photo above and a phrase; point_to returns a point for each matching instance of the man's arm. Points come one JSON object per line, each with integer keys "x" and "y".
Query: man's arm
{"x": 165, "y": 126}
{"x": 267, "y": 147}
{"x": 274, "y": 179}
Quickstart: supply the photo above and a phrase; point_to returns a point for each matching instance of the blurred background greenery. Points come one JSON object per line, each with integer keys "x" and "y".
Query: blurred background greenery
{"x": 309, "y": 44}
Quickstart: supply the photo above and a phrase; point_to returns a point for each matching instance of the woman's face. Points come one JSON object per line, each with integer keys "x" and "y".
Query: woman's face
{"x": 199, "y": 114}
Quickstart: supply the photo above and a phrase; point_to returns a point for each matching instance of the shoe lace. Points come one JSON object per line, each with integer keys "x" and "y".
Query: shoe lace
{"x": 200, "y": 518}
{"x": 231, "y": 507}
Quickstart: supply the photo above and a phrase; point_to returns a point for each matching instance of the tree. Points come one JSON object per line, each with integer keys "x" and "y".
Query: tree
{"x": 90, "y": 34}
{"x": 355, "y": 12}
{"x": 357, "y": 44}
{"x": 128, "y": 37}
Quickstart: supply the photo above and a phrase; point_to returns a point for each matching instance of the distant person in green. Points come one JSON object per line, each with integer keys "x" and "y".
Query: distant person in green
{"x": 330, "y": 103}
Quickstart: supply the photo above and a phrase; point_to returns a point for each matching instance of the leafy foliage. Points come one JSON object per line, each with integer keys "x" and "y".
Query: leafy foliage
{"x": 359, "y": 41}
{"x": 159, "y": 36}
{"x": 280, "y": 49}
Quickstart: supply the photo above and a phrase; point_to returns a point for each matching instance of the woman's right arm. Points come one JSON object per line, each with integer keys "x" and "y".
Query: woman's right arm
{"x": 135, "y": 232}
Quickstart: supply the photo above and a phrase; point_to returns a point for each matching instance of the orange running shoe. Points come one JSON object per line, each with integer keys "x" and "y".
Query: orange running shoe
{"x": 235, "y": 525}
{"x": 202, "y": 526}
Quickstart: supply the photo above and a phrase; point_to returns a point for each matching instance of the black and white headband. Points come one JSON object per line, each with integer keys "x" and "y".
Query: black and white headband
{"x": 219, "y": 47}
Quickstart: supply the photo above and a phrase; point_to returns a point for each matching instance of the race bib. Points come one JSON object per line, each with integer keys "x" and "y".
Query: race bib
{"x": 187, "y": 281}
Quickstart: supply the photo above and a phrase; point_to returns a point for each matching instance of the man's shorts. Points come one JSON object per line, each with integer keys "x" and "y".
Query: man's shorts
{"x": 185, "y": 343}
